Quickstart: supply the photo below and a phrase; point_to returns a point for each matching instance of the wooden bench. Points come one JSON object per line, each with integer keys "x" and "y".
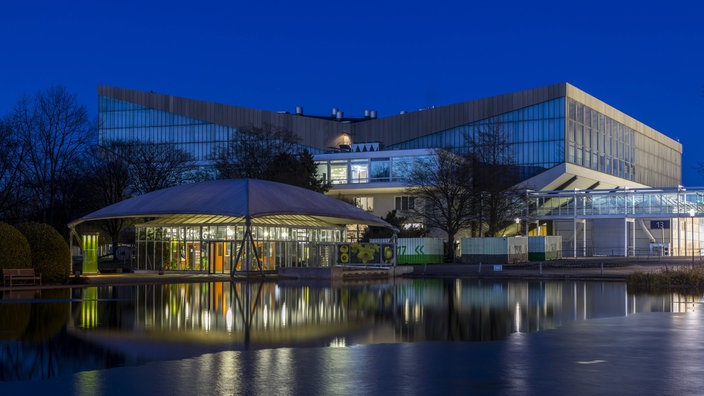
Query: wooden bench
{"x": 24, "y": 275}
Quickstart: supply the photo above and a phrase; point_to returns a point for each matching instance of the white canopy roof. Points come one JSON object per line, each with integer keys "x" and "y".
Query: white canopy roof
{"x": 235, "y": 200}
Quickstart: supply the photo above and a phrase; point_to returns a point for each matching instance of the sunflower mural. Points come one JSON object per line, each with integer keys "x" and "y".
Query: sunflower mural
{"x": 387, "y": 254}
{"x": 343, "y": 254}
{"x": 365, "y": 253}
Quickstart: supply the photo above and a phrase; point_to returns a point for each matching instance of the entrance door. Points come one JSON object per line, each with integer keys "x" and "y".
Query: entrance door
{"x": 216, "y": 257}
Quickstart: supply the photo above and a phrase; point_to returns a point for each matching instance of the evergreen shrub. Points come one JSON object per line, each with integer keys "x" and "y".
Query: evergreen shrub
{"x": 50, "y": 253}
{"x": 14, "y": 248}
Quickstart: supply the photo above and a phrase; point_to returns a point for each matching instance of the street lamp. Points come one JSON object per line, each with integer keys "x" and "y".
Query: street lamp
{"x": 518, "y": 226}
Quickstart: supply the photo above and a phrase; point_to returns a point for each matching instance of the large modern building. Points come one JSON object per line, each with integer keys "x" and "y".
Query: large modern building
{"x": 561, "y": 139}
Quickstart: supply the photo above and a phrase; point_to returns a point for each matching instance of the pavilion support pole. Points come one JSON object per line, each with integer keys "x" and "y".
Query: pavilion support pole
{"x": 256, "y": 254}
{"x": 394, "y": 239}
{"x": 239, "y": 255}
{"x": 244, "y": 245}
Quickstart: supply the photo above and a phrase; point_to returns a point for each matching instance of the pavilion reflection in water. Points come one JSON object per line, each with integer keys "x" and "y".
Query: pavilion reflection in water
{"x": 241, "y": 315}
{"x": 56, "y": 333}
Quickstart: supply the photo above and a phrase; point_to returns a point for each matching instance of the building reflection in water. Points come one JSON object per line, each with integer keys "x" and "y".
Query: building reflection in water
{"x": 242, "y": 315}
{"x": 99, "y": 327}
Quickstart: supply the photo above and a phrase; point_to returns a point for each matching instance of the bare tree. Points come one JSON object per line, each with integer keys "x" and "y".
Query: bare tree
{"x": 153, "y": 166}
{"x": 268, "y": 154}
{"x": 54, "y": 131}
{"x": 109, "y": 180}
{"x": 250, "y": 152}
{"x": 495, "y": 173}
{"x": 442, "y": 186}
{"x": 10, "y": 162}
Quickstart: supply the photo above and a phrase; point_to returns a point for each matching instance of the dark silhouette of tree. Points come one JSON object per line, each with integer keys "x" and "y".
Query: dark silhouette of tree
{"x": 400, "y": 222}
{"x": 250, "y": 151}
{"x": 152, "y": 166}
{"x": 269, "y": 154}
{"x": 442, "y": 185}
{"x": 10, "y": 163}
{"x": 296, "y": 169}
{"x": 54, "y": 131}
{"x": 496, "y": 200}
{"x": 108, "y": 180}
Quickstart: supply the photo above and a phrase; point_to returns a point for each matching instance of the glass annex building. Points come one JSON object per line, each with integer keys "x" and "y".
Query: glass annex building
{"x": 561, "y": 138}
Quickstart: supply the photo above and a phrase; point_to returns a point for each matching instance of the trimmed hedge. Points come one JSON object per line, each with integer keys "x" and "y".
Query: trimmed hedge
{"x": 50, "y": 253}
{"x": 14, "y": 248}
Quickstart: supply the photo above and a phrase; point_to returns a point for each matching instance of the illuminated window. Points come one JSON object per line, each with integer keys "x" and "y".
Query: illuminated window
{"x": 338, "y": 172}
{"x": 360, "y": 171}
{"x": 366, "y": 203}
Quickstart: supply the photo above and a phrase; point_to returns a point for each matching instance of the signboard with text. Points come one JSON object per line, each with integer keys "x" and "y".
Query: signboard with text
{"x": 659, "y": 224}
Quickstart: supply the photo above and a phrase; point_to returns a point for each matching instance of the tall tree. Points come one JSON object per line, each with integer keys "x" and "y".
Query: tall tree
{"x": 10, "y": 163}
{"x": 152, "y": 166}
{"x": 54, "y": 131}
{"x": 250, "y": 151}
{"x": 443, "y": 195}
{"x": 269, "y": 154}
{"x": 296, "y": 169}
{"x": 109, "y": 182}
{"x": 490, "y": 152}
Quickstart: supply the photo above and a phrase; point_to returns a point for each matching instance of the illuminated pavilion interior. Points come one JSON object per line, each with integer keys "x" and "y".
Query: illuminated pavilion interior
{"x": 235, "y": 225}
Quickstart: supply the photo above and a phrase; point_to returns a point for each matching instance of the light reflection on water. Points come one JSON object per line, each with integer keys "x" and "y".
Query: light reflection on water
{"x": 242, "y": 337}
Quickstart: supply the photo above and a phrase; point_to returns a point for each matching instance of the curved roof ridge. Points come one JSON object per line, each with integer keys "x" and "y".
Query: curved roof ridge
{"x": 251, "y": 198}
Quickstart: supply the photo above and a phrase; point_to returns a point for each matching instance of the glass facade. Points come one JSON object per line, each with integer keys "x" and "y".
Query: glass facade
{"x": 671, "y": 217}
{"x": 536, "y": 134}
{"x": 600, "y": 143}
{"x": 542, "y": 136}
{"x": 214, "y": 248}
{"x": 125, "y": 121}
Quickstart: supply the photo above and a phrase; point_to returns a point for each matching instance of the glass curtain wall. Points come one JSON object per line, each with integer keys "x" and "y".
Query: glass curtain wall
{"x": 598, "y": 142}
{"x": 126, "y": 121}
{"x": 536, "y": 134}
{"x": 214, "y": 249}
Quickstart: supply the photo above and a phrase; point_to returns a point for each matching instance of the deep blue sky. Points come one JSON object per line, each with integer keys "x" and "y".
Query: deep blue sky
{"x": 646, "y": 57}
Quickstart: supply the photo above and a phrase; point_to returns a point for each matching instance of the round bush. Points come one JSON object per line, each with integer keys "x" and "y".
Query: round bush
{"x": 48, "y": 318}
{"x": 50, "y": 253}
{"x": 14, "y": 319}
{"x": 14, "y": 248}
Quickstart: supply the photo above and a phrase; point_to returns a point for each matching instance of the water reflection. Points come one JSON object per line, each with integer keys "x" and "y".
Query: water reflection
{"x": 65, "y": 331}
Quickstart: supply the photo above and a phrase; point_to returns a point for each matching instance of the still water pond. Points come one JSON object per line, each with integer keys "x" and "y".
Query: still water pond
{"x": 411, "y": 337}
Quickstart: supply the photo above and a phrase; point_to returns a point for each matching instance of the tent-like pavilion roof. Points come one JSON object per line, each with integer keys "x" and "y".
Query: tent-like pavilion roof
{"x": 235, "y": 200}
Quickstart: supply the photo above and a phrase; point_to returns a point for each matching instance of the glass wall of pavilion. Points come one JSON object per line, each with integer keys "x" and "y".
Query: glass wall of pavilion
{"x": 214, "y": 248}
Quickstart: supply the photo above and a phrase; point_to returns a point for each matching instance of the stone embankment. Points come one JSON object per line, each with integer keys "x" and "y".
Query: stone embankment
{"x": 592, "y": 268}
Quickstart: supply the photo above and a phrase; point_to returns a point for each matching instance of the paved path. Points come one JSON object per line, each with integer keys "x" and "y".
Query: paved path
{"x": 592, "y": 268}
{"x": 608, "y": 268}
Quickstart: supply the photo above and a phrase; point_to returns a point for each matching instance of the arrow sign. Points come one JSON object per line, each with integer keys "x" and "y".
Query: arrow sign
{"x": 419, "y": 250}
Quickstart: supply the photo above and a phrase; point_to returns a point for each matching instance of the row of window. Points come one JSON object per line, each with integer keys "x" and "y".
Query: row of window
{"x": 598, "y": 142}
{"x": 368, "y": 170}
{"x": 401, "y": 203}
{"x": 236, "y": 233}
